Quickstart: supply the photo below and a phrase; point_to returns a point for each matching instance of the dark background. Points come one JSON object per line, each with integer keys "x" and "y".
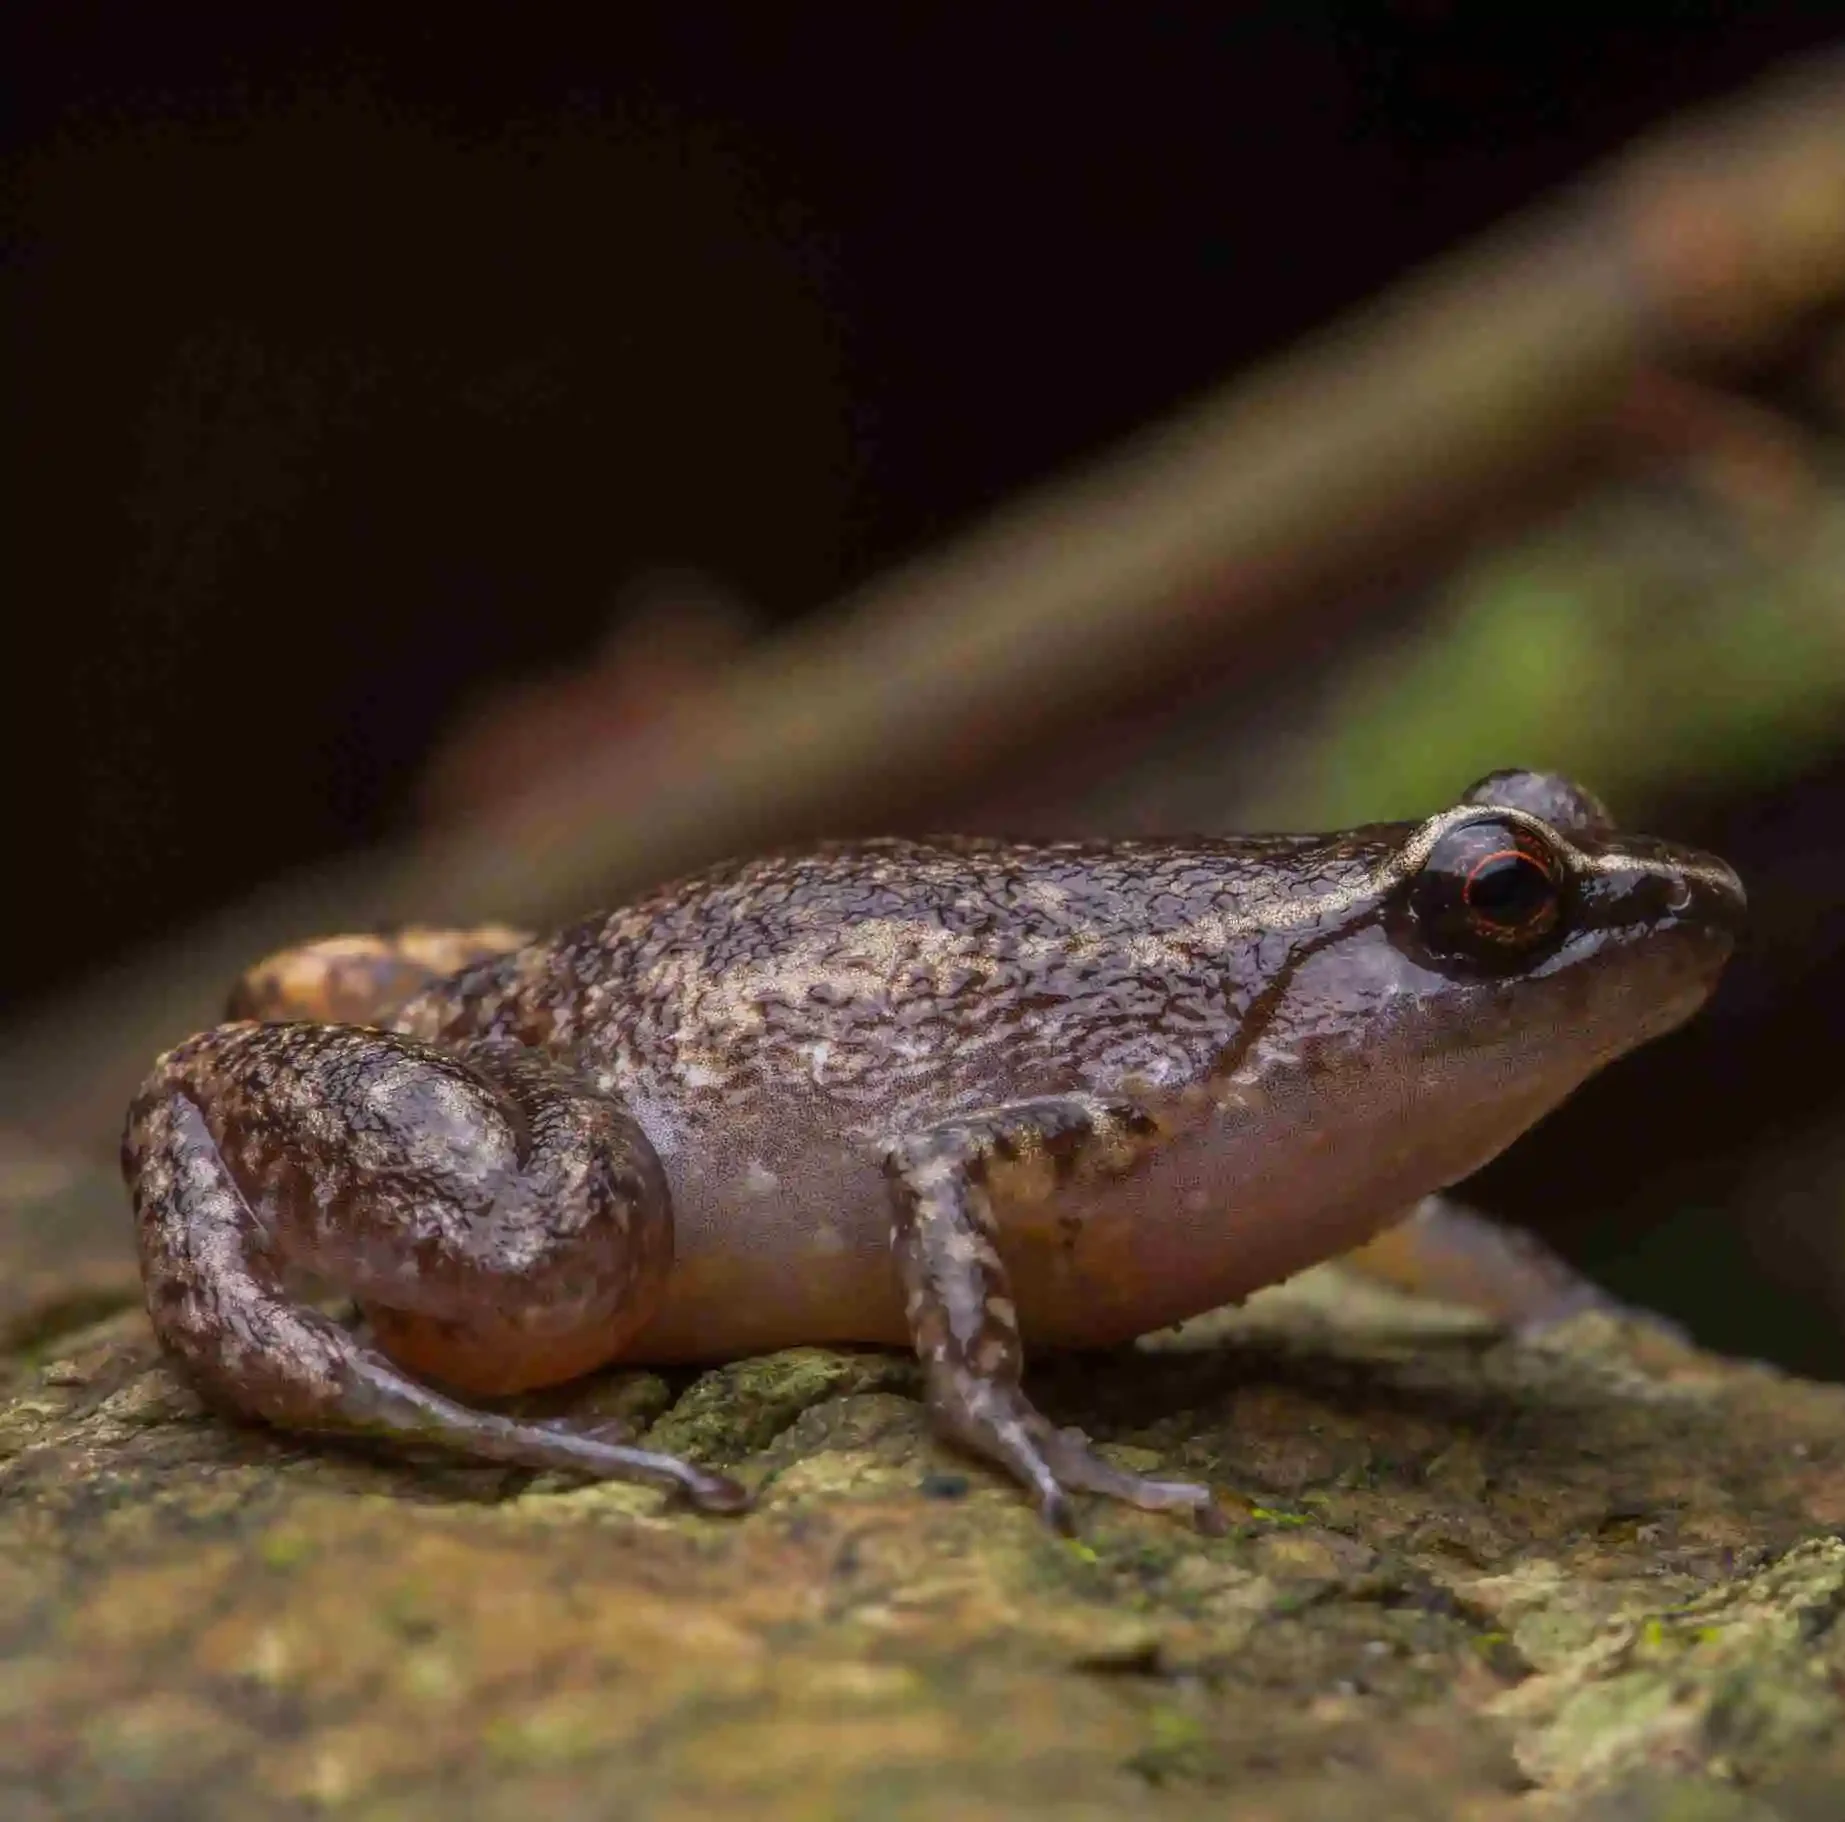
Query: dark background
{"x": 356, "y": 357}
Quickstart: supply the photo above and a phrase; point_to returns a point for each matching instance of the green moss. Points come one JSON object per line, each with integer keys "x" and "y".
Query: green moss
{"x": 741, "y": 1408}
{"x": 1733, "y": 1676}
{"x": 552, "y": 1734}
{"x": 1178, "y": 1748}
{"x": 412, "y": 1610}
{"x": 284, "y": 1550}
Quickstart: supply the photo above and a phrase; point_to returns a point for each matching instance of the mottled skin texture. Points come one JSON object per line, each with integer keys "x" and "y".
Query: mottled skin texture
{"x": 945, "y": 1093}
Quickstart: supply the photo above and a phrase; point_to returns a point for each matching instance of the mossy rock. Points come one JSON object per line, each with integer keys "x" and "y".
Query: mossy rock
{"x": 1597, "y": 1576}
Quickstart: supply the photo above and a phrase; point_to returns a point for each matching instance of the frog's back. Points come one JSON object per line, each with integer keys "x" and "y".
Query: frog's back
{"x": 896, "y": 977}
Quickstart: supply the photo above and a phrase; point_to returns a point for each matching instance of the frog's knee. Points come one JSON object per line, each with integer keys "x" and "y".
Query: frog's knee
{"x": 361, "y": 980}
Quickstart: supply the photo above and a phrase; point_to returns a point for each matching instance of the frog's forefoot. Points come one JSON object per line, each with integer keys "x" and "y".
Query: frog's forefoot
{"x": 1447, "y": 1252}
{"x": 959, "y": 1299}
{"x": 1077, "y": 1465}
{"x": 1000, "y": 1423}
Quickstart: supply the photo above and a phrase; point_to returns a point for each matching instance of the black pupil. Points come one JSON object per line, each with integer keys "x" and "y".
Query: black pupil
{"x": 1508, "y": 889}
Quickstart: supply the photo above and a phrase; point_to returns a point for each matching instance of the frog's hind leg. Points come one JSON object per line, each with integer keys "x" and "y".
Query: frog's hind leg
{"x": 958, "y": 1299}
{"x": 502, "y": 1223}
{"x": 362, "y": 980}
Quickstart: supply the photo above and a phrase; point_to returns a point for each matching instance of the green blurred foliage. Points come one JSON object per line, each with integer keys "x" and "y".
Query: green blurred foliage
{"x": 1639, "y": 646}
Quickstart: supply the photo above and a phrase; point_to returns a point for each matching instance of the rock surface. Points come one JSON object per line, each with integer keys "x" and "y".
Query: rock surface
{"x": 1594, "y": 1576}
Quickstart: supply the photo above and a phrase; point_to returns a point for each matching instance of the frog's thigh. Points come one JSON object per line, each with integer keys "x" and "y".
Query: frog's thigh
{"x": 361, "y": 980}
{"x": 958, "y": 1301}
{"x": 483, "y": 1202}
{"x": 1447, "y": 1251}
{"x": 502, "y": 1224}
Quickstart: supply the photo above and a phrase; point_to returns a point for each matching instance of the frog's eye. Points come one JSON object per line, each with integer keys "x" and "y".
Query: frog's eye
{"x": 1490, "y": 892}
{"x": 1510, "y": 892}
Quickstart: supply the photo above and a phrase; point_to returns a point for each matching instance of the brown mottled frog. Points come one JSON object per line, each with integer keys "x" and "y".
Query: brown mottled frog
{"x": 941, "y": 1093}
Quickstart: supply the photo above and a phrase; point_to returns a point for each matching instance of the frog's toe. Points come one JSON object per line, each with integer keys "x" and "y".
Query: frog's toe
{"x": 1076, "y": 1465}
{"x": 999, "y": 1422}
{"x": 560, "y": 1445}
{"x": 717, "y": 1493}
{"x": 685, "y": 1480}
{"x": 591, "y": 1429}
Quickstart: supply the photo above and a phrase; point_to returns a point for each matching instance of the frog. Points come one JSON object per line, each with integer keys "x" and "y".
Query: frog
{"x": 942, "y": 1094}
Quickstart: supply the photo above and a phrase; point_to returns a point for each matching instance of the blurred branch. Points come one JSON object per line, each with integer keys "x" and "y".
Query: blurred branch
{"x": 1290, "y": 486}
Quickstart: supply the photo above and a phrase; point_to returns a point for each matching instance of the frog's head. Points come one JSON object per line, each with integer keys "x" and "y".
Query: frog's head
{"x": 1606, "y": 938}
{"x": 1484, "y": 962}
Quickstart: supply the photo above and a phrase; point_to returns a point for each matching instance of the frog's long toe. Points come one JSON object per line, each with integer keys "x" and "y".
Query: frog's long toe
{"x": 572, "y": 1450}
{"x": 999, "y": 1422}
{"x": 1076, "y": 1465}
{"x": 597, "y": 1429}
{"x": 707, "y": 1491}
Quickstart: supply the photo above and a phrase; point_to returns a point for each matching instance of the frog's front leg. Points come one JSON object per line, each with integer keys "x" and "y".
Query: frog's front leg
{"x": 1446, "y": 1251}
{"x": 944, "y": 1181}
{"x": 501, "y": 1223}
